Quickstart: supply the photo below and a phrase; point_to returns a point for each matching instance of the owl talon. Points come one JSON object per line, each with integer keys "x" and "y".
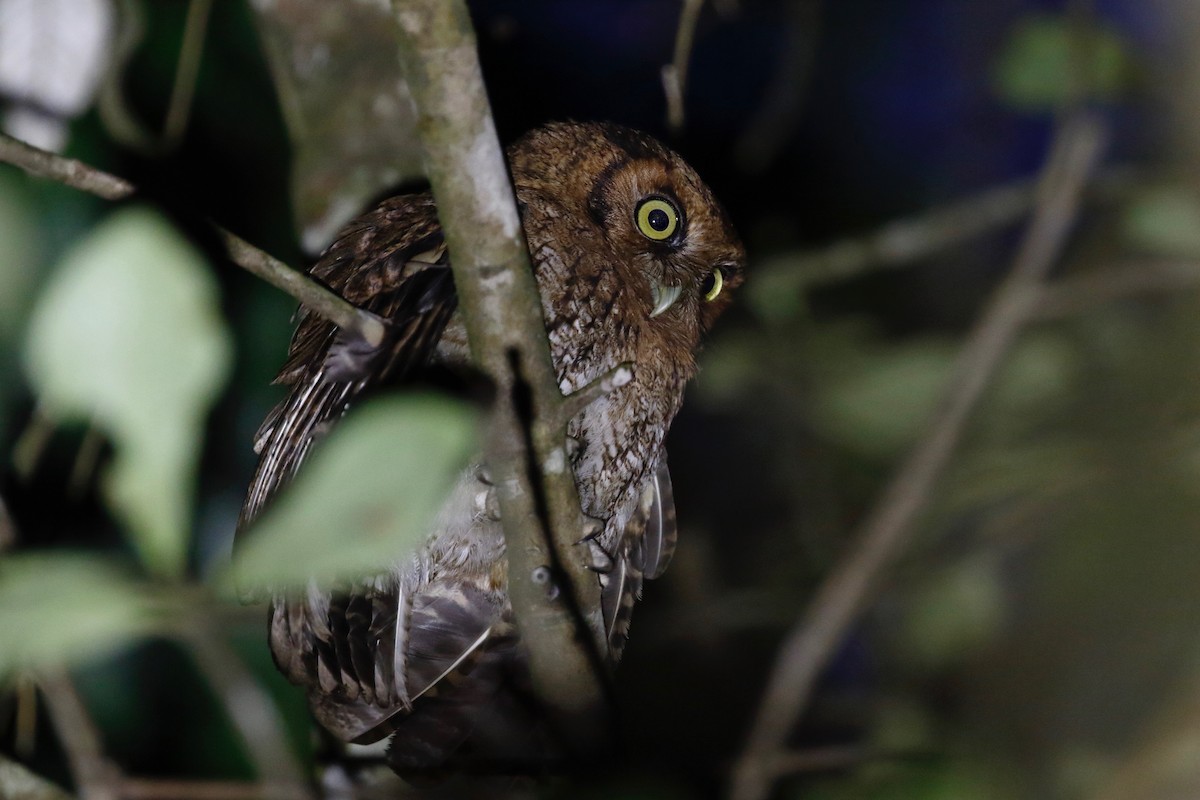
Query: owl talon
{"x": 487, "y": 504}
{"x": 602, "y": 560}
{"x": 592, "y": 527}
{"x": 484, "y": 475}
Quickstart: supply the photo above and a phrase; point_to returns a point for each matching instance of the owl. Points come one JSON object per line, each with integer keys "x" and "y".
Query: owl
{"x": 635, "y": 260}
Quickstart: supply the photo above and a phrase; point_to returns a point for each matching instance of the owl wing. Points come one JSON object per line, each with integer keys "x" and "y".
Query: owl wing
{"x": 342, "y": 646}
{"x": 392, "y": 261}
{"x": 644, "y": 551}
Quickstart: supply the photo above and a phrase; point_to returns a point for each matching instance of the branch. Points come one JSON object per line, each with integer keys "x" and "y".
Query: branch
{"x": 502, "y": 312}
{"x": 96, "y": 778}
{"x": 885, "y": 533}
{"x": 308, "y": 292}
{"x": 165, "y": 789}
{"x": 903, "y": 242}
{"x": 18, "y": 783}
{"x": 1162, "y": 762}
{"x": 674, "y": 75}
{"x": 1079, "y": 293}
{"x": 771, "y": 127}
{"x": 249, "y": 708}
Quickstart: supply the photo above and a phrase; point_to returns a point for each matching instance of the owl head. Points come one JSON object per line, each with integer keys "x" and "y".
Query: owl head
{"x": 642, "y": 213}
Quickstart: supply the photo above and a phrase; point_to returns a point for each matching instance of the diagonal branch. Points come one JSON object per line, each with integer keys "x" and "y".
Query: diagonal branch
{"x": 502, "y": 312}
{"x": 96, "y": 778}
{"x": 250, "y": 709}
{"x": 308, "y": 292}
{"x": 885, "y": 533}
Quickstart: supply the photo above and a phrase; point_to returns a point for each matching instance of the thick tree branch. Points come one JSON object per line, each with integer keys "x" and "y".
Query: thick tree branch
{"x": 808, "y": 647}
{"x": 308, "y": 292}
{"x": 502, "y": 312}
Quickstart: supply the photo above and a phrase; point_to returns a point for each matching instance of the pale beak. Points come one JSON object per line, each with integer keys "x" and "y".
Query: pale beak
{"x": 664, "y": 296}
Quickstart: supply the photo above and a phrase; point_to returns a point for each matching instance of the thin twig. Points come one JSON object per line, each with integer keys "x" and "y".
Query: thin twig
{"x": 317, "y": 298}
{"x": 86, "y": 460}
{"x": 674, "y": 75}
{"x": 8, "y": 529}
{"x": 31, "y": 444}
{"x": 824, "y": 759}
{"x": 25, "y": 720}
{"x": 186, "y": 72}
{"x": 808, "y": 647}
{"x": 251, "y": 711}
{"x": 73, "y": 173}
{"x": 96, "y": 778}
{"x": 906, "y": 241}
{"x": 773, "y": 123}
{"x": 160, "y": 789}
{"x": 308, "y": 292}
{"x": 1079, "y": 293}
{"x": 120, "y": 121}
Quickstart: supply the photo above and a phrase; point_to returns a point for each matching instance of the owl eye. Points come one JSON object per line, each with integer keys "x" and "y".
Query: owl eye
{"x": 657, "y": 219}
{"x": 712, "y": 284}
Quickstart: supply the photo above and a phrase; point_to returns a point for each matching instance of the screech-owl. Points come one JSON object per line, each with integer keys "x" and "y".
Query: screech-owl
{"x": 635, "y": 260}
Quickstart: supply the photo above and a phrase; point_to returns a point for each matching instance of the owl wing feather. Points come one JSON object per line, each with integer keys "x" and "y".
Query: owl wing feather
{"x": 643, "y": 552}
{"x": 392, "y": 262}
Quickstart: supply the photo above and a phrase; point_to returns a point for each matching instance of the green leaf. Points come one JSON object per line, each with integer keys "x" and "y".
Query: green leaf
{"x": 366, "y": 496}
{"x": 879, "y": 403}
{"x": 63, "y": 607}
{"x": 954, "y": 614}
{"x": 1035, "y": 69}
{"x": 19, "y": 260}
{"x": 129, "y": 336}
{"x": 1164, "y": 220}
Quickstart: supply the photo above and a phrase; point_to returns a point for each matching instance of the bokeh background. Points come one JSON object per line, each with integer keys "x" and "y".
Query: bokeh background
{"x": 1041, "y": 636}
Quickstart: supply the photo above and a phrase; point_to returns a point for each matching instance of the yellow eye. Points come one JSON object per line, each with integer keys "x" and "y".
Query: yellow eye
{"x": 712, "y": 285}
{"x": 657, "y": 219}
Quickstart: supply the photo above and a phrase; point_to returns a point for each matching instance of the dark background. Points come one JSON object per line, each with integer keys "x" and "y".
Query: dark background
{"x": 1039, "y": 640}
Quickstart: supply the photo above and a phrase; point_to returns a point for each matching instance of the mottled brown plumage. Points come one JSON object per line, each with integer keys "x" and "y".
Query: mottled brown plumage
{"x": 635, "y": 260}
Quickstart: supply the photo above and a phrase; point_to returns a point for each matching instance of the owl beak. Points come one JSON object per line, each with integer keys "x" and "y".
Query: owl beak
{"x": 664, "y": 297}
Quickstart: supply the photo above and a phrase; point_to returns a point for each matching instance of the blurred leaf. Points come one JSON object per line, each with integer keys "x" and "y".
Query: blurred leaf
{"x": 18, "y": 783}
{"x": 129, "y": 335}
{"x": 365, "y": 497}
{"x": 776, "y": 294}
{"x": 920, "y": 780}
{"x": 62, "y": 607}
{"x": 348, "y": 111}
{"x": 18, "y": 265}
{"x": 953, "y": 614}
{"x": 52, "y": 58}
{"x": 880, "y": 402}
{"x": 1035, "y": 69}
{"x": 1164, "y": 220}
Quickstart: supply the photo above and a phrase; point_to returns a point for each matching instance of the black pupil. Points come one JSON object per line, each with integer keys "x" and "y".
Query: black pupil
{"x": 709, "y": 283}
{"x": 658, "y": 219}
